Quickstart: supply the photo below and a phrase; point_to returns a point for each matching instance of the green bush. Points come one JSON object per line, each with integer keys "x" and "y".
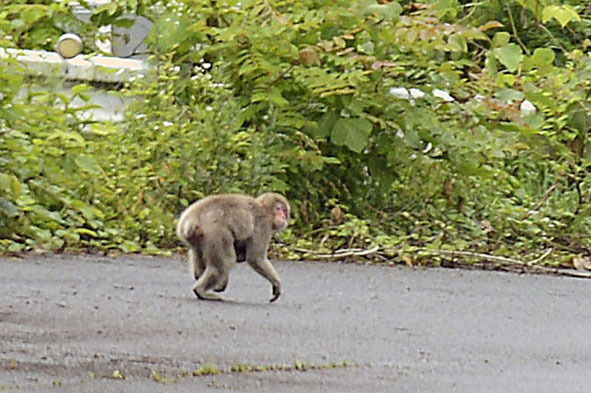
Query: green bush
{"x": 313, "y": 99}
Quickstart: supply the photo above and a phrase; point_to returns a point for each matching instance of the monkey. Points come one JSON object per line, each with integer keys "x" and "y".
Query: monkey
{"x": 221, "y": 230}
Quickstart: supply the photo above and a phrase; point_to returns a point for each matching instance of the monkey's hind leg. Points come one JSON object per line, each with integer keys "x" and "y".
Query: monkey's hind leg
{"x": 196, "y": 264}
{"x": 222, "y": 284}
{"x": 204, "y": 285}
{"x": 223, "y": 275}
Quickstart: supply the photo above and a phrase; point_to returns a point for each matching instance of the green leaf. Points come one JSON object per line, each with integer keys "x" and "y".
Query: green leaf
{"x": 509, "y": 55}
{"x": 40, "y": 233}
{"x": 501, "y": 38}
{"x": 81, "y": 88}
{"x": 535, "y": 121}
{"x": 474, "y": 34}
{"x": 543, "y": 56}
{"x": 5, "y": 181}
{"x": 173, "y": 31}
{"x": 331, "y": 160}
{"x": 16, "y": 187}
{"x": 67, "y": 135}
{"x": 129, "y": 246}
{"x": 446, "y": 8}
{"x": 412, "y": 138}
{"x": 367, "y": 47}
{"x": 47, "y": 214}
{"x": 457, "y": 43}
{"x": 325, "y": 125}
{"x": 8, "y": 208}
{"x": 276, "y": 98}
{"x": 32, "y": 13}
{"x": 579, "y": 118}
{"x": 87, "y": 232}
{"x": 89, "y": 212}
{"x": 542, "y": 59}
{"x": 353, "y": 133}
{"x": 88, "y": 164}
{"x": 103, "y": 128}
{"x": 390, "y": 10}
{"x": 126, "y": 23}
{"x": 563, "y": 14}
{"x": 509, "y": 95}
{"x": 10, "y": 182}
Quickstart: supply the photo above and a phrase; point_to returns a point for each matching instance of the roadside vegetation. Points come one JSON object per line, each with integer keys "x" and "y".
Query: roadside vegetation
{"x": 417, "y": 132}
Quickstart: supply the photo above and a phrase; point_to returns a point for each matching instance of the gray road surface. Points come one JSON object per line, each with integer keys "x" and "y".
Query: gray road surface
{"x": 70, "y": 323}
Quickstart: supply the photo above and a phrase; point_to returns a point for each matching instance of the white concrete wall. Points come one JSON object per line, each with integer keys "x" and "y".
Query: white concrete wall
{"x": 81, "y": 69}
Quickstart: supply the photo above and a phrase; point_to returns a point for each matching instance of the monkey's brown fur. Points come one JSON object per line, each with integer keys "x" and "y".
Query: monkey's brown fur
{"x": 221, "y": 230}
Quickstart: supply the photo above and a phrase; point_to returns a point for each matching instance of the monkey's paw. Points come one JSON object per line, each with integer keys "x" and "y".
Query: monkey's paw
{"x": 276, "y": 293}
{"x": 208, "y": 296}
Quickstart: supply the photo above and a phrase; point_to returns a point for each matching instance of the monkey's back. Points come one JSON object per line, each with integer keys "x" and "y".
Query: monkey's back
{"x": 233, "y": 212}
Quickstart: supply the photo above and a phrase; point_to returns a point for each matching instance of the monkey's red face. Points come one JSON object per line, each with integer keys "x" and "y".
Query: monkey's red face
{"x": 281, "y": 216}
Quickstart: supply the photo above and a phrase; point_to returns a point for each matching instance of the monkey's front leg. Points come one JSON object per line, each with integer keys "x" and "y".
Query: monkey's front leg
{"x": 264, "y": 267}
{"x": 276, "y": 292}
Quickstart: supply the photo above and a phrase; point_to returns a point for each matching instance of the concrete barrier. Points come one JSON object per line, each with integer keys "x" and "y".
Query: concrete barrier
{"x": 81, "y": 68}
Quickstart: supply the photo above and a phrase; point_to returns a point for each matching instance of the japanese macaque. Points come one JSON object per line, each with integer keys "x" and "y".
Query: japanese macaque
{"x": 221, "y": 230}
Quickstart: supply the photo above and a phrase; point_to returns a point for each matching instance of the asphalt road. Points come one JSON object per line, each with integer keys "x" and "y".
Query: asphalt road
{"x": 132, "y": 324}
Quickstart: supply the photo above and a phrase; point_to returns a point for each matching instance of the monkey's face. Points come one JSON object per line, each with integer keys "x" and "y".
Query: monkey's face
{"x": 281, "y": 216}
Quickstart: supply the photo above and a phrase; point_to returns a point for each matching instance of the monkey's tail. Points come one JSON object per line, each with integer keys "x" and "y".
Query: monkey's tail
{"x": 191, "y": 232}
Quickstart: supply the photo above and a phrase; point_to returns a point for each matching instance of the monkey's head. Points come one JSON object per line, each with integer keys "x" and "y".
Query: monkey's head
{"x": 278, "y": 207}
